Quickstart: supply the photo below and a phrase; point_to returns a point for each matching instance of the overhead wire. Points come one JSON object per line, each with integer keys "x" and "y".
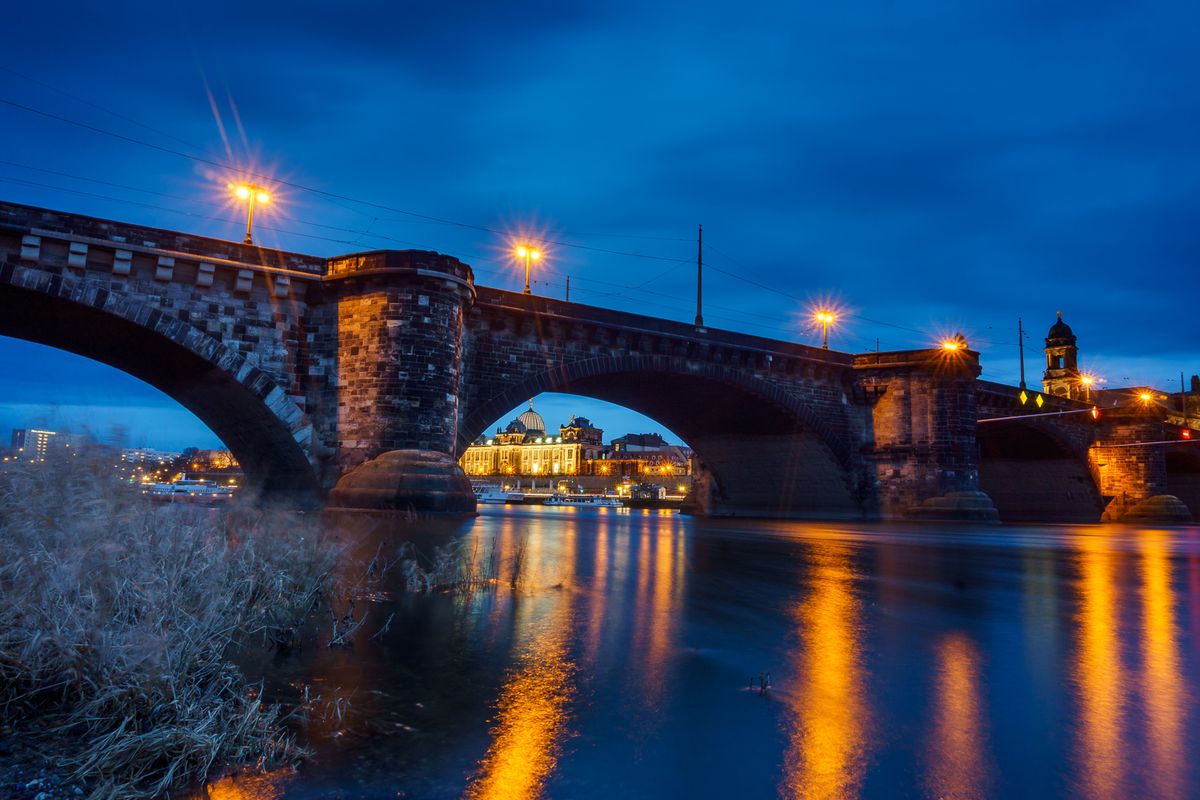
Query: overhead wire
{"x": 404, "y": 212}
{"x": 320, "y": 192}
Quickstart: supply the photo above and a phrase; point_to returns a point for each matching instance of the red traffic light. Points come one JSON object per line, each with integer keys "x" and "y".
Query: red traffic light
{"x": 1185, "y": 433}
{"x": 1095, "y": 412}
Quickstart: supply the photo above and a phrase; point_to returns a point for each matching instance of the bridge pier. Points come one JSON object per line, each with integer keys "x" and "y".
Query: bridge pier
{"x": 921, "y": 442}
{"x": 391, "y": 331}
{"x": 1132, "y": 478}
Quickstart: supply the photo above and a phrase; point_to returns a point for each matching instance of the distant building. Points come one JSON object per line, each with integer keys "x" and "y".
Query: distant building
{"x": 31, "y": 444}
{"x": 1062, "y": 377}
{"x": 639, "y": 443}
{"x": 523, "y": 447}
{"x": 144, "y": 455}
{"x": 638, "y": 455}
{"x": 37, "y": 444}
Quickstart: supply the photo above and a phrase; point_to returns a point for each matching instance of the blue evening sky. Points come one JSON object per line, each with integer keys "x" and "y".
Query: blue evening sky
{"x": 928, "y": 166}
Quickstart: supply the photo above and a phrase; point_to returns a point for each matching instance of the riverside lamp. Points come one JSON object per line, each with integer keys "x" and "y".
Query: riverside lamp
{"x": 530, "y": 254}
{"x": 825, "y": 319}
{"x": 251, "y": 193}
{"x": 1087, "y": 381}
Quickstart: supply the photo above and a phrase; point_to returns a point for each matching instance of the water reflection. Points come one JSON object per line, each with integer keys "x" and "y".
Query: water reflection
{"x": 659, "y": 568}
{"x": 268, "y": 786}
{"x": 531, "y": 722}
{"x": 1165, "y": 696}
{"x": 827, "y": 752}
{"x": 1098, "y": 674}
{"x": 1037, "y": 663}
{"x": 532, "y": 710}
{"x": 958, "y": 763}
{"x": 598, "y": 596}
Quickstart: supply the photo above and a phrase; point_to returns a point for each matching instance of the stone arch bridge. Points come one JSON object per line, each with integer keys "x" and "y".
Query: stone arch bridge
{"x": 358, "y": 380}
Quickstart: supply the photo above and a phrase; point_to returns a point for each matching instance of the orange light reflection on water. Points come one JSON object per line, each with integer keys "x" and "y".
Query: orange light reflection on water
{"x": 826, "y": 757}
{"x": 268, "y": 786}
{"x": 530, "y": 725}
{"x": 598, "y": 595}
{"x": 1164, "y": 692}
{"x": 1100, "y": 750}
{"x": 958, "y": 763}
{"x": 532, "y": 710}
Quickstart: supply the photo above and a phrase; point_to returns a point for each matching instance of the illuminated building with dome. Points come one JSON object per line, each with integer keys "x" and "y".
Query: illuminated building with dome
{"x": 523, "y": 447}
{"x": 1062, "y": 377}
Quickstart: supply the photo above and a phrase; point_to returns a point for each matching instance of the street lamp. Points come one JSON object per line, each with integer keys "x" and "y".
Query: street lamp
{"x": 1087, "y": 381}
{"x": 251, "y": 193}
{"x": 530, "y": 254}
{"x": 825, "y": 318}
{"x": 955, "y": 343}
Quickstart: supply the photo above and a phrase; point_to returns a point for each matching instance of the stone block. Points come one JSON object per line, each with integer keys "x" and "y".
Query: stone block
{"x": 165, "y": 269}
{"x": 31, "y": 248}
{"x": 77, "y": 255}
{"x": 245, "y": 281}
{"x": 205, "y": 274}
{"x": 122, "y": 262}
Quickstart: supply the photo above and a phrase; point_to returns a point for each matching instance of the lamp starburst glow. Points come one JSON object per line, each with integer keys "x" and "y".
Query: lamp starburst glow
{"x": 826, "y": 318}
{"x": 252, "y": 194}
{"x": 529, "y": 254}
{"x": 1087, "y": 380}
{"x": 953, "y": 344}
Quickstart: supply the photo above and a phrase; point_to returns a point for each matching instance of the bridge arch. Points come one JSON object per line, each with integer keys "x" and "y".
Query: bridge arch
{"x": 254, "y": 417}
{"x": 1036, "y": 472}
{"x": 1183, "y": 475}
{"x": 767, "y": 451}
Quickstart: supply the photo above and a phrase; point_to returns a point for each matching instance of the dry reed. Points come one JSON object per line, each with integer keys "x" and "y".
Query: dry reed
{"x": 118, "y": 619}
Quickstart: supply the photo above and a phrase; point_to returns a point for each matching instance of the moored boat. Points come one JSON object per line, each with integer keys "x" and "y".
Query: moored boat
{"x": 189, "y": 490}
{"x": 589, "y": 500}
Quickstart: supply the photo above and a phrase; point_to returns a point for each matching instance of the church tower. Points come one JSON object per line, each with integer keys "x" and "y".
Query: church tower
{"x": 1062, "y": 368}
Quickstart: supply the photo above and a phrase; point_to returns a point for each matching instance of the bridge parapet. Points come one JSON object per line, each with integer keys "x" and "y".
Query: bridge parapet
{"x": 39, "y": 223}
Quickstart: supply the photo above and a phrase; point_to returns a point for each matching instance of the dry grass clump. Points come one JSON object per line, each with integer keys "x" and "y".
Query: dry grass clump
{"x": 118, "y": 617}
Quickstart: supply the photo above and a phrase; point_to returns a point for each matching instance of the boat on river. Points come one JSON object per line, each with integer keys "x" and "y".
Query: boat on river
{"x": 582, "y": 500}
{"x": 491, "y": 494}
{"x": 189, "y": 490}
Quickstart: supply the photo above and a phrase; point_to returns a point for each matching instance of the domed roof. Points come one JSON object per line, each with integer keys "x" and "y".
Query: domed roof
{"x": 1060, "y": 330}
{"x": 532, "y": 420}
{"x": 516, "y": 426}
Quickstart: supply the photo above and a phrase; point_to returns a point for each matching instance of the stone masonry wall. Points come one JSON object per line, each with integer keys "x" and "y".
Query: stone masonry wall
{"x": 516, "y": 346}
{"x": 1128, "y": 474}
{"x": 386, "y": 356}
{"x": 922, "y": 431}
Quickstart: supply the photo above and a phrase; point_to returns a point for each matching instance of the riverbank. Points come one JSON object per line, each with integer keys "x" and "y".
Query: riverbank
{"x": 118, "y": 624}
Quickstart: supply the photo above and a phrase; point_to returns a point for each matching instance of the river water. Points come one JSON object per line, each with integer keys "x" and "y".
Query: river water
{"x": 628, "y": 661}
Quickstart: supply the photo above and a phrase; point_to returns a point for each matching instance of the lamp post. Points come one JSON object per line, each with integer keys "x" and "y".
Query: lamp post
{"x": 1087, "y": 381}
{"x": 826, "y": 318}
{"x": 530, "y": 254}
{"x": 251, "y": 193}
